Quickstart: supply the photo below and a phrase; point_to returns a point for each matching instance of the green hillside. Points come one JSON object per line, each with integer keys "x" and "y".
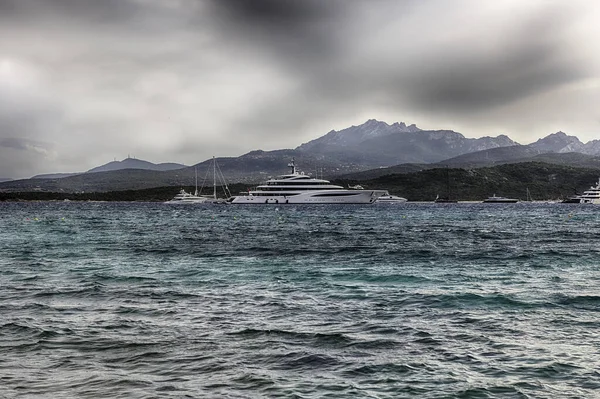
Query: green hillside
{"x": 544, "y": 181}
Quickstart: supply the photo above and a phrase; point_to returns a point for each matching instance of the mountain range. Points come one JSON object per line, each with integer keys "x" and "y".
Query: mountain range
{"x": 376, "y": 144}
{"x": 370, "y": 150}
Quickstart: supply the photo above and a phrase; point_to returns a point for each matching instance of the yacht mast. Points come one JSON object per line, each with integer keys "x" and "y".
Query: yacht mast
{"x": 214, "y": 178}
{"x": 196, "y": 173}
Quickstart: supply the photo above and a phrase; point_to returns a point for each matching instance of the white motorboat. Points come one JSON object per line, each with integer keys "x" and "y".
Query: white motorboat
{"x": 500, "y": 200}
{"x": 299, "y": 188}
{"x": 390, "y": 199}
{"x": 591, "y": 196}
{"x": 183, "y": 197}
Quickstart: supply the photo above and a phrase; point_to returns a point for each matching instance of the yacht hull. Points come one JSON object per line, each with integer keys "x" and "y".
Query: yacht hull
{"x": 581, "y": 200}
{"x": 391, "y": 199}
{"x": 314, "y": 197}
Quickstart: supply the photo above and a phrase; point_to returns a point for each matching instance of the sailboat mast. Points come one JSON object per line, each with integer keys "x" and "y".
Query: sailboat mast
{"x": 214, "y": 178}
{"x": 196, "y": 173}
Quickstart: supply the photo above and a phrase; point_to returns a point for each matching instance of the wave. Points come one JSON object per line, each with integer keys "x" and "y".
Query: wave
{"x": 587, "y": 302}
{"x": 314, "y": 339}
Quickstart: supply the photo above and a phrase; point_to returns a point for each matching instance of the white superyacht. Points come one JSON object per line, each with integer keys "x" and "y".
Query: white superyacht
{"x": 299, "y": 188}
{"x": 591, "y": 196}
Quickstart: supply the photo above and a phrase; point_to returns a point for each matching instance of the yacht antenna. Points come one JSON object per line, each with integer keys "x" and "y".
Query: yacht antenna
{"x": 293, "y": 166}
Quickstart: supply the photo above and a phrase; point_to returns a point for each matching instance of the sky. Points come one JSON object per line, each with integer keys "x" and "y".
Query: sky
{"x": 84, "y": 82}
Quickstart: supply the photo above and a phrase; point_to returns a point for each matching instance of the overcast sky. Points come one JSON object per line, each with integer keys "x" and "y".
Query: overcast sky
{"x": 85, "y": 81}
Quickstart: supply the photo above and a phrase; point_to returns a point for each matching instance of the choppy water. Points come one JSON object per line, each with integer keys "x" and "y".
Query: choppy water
{"x": 415, "y": 300}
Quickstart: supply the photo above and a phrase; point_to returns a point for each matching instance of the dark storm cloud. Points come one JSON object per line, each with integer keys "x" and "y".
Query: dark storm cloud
{"x": 322, "y": 46}
{"x": 279, "y": 14}
{"x": 295, "y": 31}
{"x": 525, "y": 60}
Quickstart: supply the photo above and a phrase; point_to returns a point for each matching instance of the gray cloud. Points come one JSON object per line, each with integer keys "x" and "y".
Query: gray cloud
{"x": 181, "y": 80}
{"x": 25, "y": 145}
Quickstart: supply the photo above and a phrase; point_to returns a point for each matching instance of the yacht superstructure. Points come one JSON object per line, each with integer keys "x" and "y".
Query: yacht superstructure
{"x": 183, "y": 197}
{"x": 299, "y": 188}
{"x": 591, "y": 196}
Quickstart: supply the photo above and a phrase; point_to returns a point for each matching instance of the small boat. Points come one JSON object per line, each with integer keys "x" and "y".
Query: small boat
{"x": 500, "y": 200}
{"x": 591, "y": 196}
{"x": 444, "y": 200}
{"x": 183, "y": 197}
{"x": 387, "y": 198}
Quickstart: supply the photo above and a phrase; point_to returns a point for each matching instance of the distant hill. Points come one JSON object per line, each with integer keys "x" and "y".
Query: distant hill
{"x": 132, "y": 163}
{"x": 557, "y": 143}
{"x": 544, "y": 181}
{"x": 481, "y": 159}
{"x": 54, "y": 175}
{"x": 391, "y": 170}
{"x": 2, "y": 179}
{"x": 127, "y": 163}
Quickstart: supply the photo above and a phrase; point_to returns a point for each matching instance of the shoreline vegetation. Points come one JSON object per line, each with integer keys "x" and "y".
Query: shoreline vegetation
{"x": 542, "y": 181}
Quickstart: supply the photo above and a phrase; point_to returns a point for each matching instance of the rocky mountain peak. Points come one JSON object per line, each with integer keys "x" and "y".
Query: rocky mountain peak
{"x": 402, "y": 127}
{"x": 559, "y": 142}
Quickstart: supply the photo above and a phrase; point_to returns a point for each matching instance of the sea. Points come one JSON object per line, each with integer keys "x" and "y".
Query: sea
{"x": 153, "y": 300}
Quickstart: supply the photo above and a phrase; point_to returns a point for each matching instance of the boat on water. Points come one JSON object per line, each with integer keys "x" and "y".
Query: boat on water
{"x": 184, "y": 197}
{"x": 591, "y": 196}
{"x": 387, "y": 198}
{"x": 444, "y": 200}
{"x": 218, "y": 178}
{"x": 500, "y": 200}
{"x": 299, "y": 188}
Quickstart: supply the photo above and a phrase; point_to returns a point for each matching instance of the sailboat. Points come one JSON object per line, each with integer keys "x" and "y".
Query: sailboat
{"x": 528, "y": 196}
{"x": 445, "y": 200}
{"x": 217, "y": 175}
